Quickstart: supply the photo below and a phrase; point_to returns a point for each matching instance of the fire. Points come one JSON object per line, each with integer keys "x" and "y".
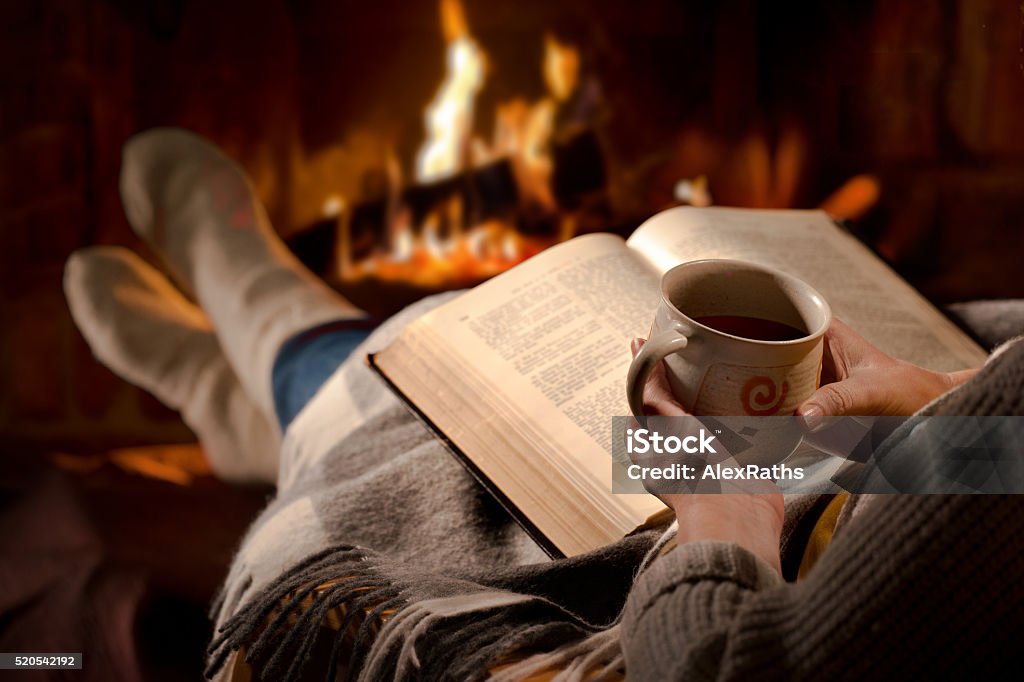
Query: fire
{"x": 442, "y": 250}
{"x": 523, "y": 132}
{"x": 561, "y": 68}
{"x": 449, "y": 118}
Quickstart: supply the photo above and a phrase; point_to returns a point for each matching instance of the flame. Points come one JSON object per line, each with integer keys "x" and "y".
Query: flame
{"x": 430, "y": 261}
{"x": 334, "y": 204}
{"x": 443, "y": 250}
{"x": 453, "y": 21}
{"x": 693, "y": 192}
{"x": 561, "y": 68}
{"x": 524, "y": 132}
{"x": 449, "y": 117}
{"x": 403, "y": 241}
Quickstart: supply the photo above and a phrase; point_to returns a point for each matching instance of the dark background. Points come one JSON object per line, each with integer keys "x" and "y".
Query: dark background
{"x": 778, "y": 104}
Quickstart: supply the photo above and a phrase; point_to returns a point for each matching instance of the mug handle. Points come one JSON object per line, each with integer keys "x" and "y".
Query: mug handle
{"x": 660, "y": 345}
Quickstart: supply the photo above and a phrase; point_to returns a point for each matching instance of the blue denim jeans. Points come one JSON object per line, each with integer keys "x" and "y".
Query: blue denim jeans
{"x": 308, "y": 359}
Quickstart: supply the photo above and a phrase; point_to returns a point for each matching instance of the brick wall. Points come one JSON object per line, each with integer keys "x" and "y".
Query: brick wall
{"x": 67, "y": 77}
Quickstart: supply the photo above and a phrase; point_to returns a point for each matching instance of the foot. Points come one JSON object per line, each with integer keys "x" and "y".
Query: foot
{"x": 197, "y": 209}
{"x": 181, "y": 192}
{"x": 145, "y": 331}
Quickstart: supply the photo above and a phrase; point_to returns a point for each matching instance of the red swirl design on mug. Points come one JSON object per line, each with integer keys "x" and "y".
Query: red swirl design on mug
{"x": 761, "y": 397}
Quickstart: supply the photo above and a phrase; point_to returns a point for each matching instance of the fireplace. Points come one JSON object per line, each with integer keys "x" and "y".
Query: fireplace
{"x": 550, "y": 123}
{"x": 483, "y": 191}
{"x": 568, "y": 118}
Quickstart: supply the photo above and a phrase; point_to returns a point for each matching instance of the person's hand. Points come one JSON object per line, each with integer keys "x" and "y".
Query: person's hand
{"x": 753, "y": 522}
{"x": 860, "y": 380}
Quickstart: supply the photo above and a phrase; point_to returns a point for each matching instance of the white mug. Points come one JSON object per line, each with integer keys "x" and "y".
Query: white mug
{"x": 707, "y": 307}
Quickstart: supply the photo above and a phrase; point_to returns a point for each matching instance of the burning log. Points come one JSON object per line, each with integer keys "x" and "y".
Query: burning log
{"x": 486, "y": 192}
{"x": 445, "y": 209}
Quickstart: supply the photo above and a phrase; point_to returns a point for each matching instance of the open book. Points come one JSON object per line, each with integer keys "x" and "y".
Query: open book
{"x": 522, "y": 375}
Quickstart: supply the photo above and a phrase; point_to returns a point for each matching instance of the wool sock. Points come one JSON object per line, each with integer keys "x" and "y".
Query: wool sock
{"x": 198, "y": 211}
{"x": 146, "y": 332}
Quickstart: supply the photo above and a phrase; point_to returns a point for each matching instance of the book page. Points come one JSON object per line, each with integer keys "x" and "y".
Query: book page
{"x": 862, "y": 290}
{"x": 555, "y": 331}
{"x": 543, "y": 350}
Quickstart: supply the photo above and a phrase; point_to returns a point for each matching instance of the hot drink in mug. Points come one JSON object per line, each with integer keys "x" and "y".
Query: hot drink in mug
{"x": 737, "y": 339}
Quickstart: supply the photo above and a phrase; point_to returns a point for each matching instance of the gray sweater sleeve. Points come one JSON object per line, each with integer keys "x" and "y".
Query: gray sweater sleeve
{"x": 913, "y": 586}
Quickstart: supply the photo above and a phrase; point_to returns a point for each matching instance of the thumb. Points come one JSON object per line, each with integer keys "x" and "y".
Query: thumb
{"x": 842, "y": 398}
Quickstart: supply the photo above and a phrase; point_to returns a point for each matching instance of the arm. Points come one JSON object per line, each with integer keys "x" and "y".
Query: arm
{"x": 859, "y": 380}
{"x": 754, "y": 522}
{"x": 913, "y": 581}
{"x": 913, "y": 588}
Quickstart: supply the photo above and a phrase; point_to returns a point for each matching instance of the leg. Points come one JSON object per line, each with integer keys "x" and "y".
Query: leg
{"x": 308, "y": 360}
{"x": 145, "y": 331}
{"x": 197, "y": 209}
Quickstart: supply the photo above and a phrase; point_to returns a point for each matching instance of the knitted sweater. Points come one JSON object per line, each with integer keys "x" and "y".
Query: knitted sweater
{"x": 911, "y": 587}
{"x": 370, "y": 504}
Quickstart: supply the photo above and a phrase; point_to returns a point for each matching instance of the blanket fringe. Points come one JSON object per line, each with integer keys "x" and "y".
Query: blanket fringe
{"x": 596, "y": 658}
{"x": 464, "y": 625}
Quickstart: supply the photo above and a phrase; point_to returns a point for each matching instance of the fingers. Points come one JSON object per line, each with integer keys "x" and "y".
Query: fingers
{"x": 857, "y": 396}
{"x": 845, "y": 351}
{"x": 843, "y": 392}
{"x": 959, "y": 377}
{"x": 841, "y": 342}
{"x": 831, "y": 400}
{"x": 838, "y": 399}
{"x": 658, "y": 397}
